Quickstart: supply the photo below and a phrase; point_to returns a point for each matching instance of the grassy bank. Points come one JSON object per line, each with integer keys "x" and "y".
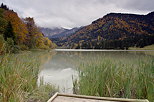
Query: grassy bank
{"x": 18, "y": 79}
{"x": 150, "y": 47}
{"x": 108, "y": 77}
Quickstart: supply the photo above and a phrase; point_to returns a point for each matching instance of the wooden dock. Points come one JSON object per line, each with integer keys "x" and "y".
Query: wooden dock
{"x": 82, "y": 98}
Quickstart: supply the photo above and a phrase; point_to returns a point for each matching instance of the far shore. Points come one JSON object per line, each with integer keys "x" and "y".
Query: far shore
{"x": 96, "y": 50}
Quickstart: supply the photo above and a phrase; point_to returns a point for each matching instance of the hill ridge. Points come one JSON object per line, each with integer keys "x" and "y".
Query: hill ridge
{"x": 114, "y": 31}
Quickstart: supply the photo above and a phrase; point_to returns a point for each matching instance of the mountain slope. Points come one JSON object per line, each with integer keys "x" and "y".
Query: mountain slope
{"x": 48, "y": 32}
{"x": 58, "y": 34}
{"x": 59, "y": 39}
{"x": 66, "y": 33}
{"x": 114, "y": 31}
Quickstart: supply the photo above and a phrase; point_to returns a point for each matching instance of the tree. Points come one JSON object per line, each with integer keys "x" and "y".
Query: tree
{"x": 35, "y": 37}
{"x": 19, "y": 28}
{"x": 4, "y": 7}
{"x": 9, "y": 32}
{"x": 3, "y": 24}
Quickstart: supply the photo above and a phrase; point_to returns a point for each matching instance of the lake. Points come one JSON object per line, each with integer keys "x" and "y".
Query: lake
{"x": 61, "y": 68}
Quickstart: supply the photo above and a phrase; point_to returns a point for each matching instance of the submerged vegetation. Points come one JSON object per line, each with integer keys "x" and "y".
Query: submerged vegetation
{"x": 18, "y": 78}
{"x": 109, "y": 77}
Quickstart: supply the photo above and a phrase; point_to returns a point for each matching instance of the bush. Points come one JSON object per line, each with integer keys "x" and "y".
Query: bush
{"x": 10, "y": 47}
{"x": 2, "y": 44}
{"x": 23, "y": 47}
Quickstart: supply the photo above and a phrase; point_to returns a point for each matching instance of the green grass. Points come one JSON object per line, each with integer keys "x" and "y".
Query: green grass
{"x": 18, "y": 79}
{"x": 109, "y": 77}
{"x": 150, "y": 47}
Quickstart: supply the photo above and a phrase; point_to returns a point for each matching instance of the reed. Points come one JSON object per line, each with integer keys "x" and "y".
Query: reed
{"x": 108, "y": 77}
{"x": 18, "y": 79}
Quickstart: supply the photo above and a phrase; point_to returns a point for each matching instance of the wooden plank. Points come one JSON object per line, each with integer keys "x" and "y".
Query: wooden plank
{"x": 74, "y": 99}
{"x": 82, "y": 98}
{"x": 53, "y": 97}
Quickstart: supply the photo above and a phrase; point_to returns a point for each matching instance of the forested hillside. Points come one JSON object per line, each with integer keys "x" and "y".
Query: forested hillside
{"x": 63, "y": 36}
{"x": 20, "y": 34}
{"x": 49, "y": 32}
{"x": 114, "y": 31}
{"x": 58, "y": 34}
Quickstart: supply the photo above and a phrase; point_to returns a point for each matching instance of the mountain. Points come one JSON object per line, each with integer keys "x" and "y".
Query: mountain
{"x": 113, "y": 31}
{"x": 59, "y": 39}
{"x": 48, "y": 32}
{"x": 66, "y": 33}
{"x": 58, "y": 34}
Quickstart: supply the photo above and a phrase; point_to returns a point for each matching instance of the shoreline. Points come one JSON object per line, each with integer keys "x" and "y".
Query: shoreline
{"x": 105, "y": 50}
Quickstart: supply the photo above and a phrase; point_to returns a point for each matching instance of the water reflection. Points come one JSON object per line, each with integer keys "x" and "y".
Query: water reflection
{"x": 59, "y": 71}
{"x": 59, "y": 68}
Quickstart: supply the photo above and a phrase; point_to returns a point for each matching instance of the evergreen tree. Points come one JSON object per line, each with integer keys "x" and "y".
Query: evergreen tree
{"x": 4, "y": 7}
{"x": 9, "y": 32}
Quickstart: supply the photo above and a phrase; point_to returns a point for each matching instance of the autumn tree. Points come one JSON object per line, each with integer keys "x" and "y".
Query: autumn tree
{"x": 19, "y": 28}
{"x": 3, "y": 22}
{"x": 35, "y": 38}
{"x": 21, "y": 33}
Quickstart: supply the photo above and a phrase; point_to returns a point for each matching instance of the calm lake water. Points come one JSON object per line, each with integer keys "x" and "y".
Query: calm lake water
{"x": 60, "y": 67}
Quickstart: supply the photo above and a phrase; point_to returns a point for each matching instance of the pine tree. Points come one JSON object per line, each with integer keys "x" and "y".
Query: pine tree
{"x": 9, "y": 32}
{"x": 4, "y": 7}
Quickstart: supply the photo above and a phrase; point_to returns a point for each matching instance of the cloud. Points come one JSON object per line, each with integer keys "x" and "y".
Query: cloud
{"x": 73, "y": 13}
{"x": 144, "y": 5}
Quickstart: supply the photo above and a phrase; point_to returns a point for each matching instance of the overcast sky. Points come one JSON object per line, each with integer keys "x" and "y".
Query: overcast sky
{"x": 75, "y": 13}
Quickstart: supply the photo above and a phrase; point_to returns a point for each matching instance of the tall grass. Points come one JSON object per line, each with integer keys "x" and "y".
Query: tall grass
{"x": 108, "y": 77}
{"x": 18, "y": 79}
